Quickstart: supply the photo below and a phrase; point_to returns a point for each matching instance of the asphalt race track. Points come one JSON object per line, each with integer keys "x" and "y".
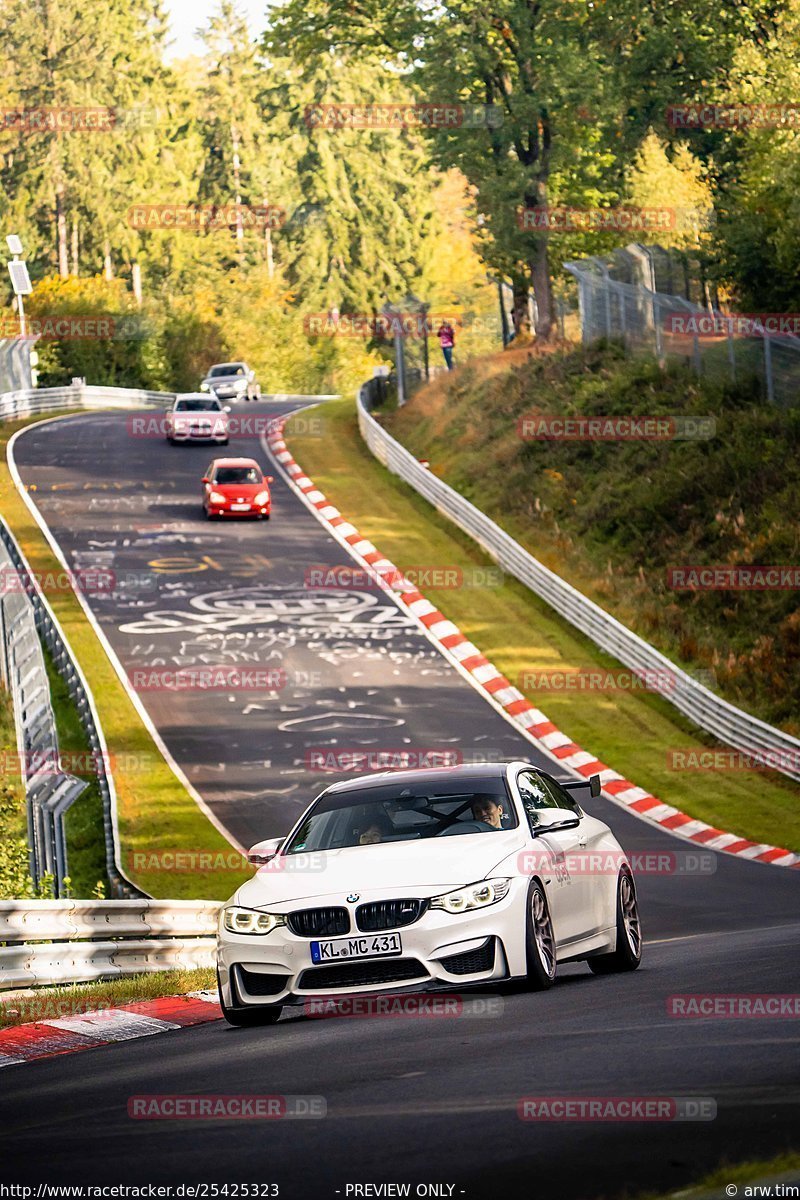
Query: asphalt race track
{"x": 425, "y": 1101}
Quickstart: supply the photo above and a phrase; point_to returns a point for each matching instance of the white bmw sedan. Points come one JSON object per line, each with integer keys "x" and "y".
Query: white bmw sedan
{"x": 426, "y": 879}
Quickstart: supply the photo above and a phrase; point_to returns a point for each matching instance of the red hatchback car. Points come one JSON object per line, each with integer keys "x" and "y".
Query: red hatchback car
{"x": 236, "y": 487}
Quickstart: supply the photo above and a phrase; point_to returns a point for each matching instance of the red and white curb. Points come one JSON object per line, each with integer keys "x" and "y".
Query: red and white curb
{"x": 482, "y": 673}
{"x": 102, "y": 1027}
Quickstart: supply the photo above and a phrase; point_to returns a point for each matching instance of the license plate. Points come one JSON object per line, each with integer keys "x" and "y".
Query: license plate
{"x": 373, "y": 945}
{"x": 240, "y": 507}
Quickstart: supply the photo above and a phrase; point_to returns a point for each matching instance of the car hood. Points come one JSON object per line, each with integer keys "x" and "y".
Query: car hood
{"x": 399, "y": 869}
{"x": 224, "y": 379}
{"x": 207, "y": 415}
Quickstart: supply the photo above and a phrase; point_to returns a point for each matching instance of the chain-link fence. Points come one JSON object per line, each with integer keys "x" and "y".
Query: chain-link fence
{"x": 411, "y": 327}
{"x": 621, "y": 298}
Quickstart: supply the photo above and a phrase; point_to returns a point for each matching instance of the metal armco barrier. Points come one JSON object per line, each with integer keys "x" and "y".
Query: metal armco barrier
{"x": 121, "y": 937}
{"x": 731, "y": 725}
{"x": 49, "y": 791}
{"x": 27, "y": 617}
{"x": 43, "y": 400}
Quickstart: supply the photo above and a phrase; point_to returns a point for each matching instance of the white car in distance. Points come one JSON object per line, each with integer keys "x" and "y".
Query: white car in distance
{"x": 195, "y": 417}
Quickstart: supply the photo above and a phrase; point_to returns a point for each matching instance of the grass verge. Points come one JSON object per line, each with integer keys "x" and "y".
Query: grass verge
{"x": 15, "y": 880}
{"x": 83, "y": 822}
{"x": 635, "y": 733}
{"x": 752, "y": 1171}
{"x": 156, "y": 813}
{"x": 45, "y": 1003}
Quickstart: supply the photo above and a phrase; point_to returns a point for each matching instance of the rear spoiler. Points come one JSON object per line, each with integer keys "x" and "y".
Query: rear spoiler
{"x": 593, "y": 783}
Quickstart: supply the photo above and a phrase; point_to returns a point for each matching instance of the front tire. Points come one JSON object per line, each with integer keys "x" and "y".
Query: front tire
{"x": 243, "y": 1018}
{"x": 628, "y": 952}
{"x": 540, "y": 940}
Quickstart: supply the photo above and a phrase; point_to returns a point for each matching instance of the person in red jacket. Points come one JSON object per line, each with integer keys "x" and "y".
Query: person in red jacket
{"x": 447, "y": 340}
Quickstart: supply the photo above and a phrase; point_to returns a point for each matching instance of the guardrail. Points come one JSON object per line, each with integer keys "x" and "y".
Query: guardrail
{"x": 731, "y": 725}
{"x": 33, "y": 401}
{"x": 49, "y": 791}
{"x": 77, "y": 941}
{"x": 27, "y": 617}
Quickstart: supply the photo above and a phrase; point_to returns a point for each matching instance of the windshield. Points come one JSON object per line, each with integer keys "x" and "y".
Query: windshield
{"x": 226, "y": 369}
{"x": 199, "y": 405}
{"x": 402, "y": 813}
{"x": 237, "y": 475}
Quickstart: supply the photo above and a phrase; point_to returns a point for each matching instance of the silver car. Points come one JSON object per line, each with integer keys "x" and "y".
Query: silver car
{"x": 232, "y": 381}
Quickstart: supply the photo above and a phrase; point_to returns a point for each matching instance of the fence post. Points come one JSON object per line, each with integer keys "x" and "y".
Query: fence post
{"x": 731, "y": 350}
{"x": 400, "y": 368}
{"x": 768, "y": 368}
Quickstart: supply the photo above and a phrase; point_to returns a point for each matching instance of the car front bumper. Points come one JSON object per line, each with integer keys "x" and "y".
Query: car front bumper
{"x": 228, "y": 392}
{"x": 227, "y": 510}
{"x": 439, "y": 951}
{"x": 185, "y": 434}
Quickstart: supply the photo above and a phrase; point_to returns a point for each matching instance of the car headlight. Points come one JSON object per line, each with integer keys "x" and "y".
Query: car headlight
{"x": 240, "y": 384}
{"x": 216, "y": 497}
{"x": 204, "y": 386}
{"x": 475, "y": 895}
{"x": 250, "y": 920}
{"x": 262, "y": 498}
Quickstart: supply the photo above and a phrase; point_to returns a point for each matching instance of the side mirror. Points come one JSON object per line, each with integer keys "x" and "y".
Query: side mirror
{"x": 556, "y": 819}
{"x": 205, "y": 479}
{"x": 594, "y": 785}
{"x": 226, "y": 408}
{"x": 262, "y": 852}
{"x": 203, "y": 386}
{"x": 269, "y": 478}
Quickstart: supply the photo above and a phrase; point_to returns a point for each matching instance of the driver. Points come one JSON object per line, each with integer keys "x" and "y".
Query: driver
{"x": 377, "y": 829}
{"x": 487, "y": 808}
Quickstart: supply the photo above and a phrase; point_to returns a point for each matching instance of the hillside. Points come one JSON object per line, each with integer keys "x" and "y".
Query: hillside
{"x": 614, "y": 517}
